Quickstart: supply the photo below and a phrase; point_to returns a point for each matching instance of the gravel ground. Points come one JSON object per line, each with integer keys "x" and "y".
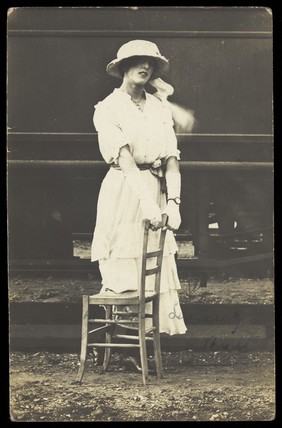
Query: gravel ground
{"x": 66, "y": 288}
{"x": 214, "y": 386}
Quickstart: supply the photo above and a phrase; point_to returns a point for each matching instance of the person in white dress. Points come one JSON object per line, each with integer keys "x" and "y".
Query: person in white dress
{"x": 137, "y": 139}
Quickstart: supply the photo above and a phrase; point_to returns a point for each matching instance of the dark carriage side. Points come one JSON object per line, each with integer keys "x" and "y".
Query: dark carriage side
{"x": 221, "y": 68}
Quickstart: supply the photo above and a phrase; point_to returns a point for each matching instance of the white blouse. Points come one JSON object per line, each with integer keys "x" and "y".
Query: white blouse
{"x": 148, "y": 133}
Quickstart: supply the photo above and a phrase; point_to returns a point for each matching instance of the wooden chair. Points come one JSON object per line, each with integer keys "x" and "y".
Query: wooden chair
{"x": 114, "y": 316}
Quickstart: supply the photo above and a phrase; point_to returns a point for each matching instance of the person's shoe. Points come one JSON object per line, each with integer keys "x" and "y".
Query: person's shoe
{"x": 135, "y": 364}
{"x": 132, "y": 362}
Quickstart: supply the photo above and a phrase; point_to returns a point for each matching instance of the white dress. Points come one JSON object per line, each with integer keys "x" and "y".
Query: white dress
{"x": 117, "y": 236}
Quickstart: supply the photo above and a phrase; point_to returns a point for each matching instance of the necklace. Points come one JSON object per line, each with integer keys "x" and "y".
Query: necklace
{"x": 139, "y": 103}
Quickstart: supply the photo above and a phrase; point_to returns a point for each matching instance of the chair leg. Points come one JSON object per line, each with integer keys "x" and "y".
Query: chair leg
{"x": 143, "y": 350}
{"x": 84, "y": 337}
{"x": 108, "y": 339}
{"x": 157, "y": 340}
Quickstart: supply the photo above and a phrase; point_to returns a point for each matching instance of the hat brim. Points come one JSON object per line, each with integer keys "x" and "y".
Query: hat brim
{"x": 160, "y": 68}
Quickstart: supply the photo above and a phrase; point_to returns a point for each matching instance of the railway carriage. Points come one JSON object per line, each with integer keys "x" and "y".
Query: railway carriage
{"x": 221, "y": 69}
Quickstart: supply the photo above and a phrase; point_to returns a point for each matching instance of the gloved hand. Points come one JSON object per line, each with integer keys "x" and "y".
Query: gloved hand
{"x": 151, "y": 211}
{"x": 174, "y": 218}
{"x": 149, "y": 208}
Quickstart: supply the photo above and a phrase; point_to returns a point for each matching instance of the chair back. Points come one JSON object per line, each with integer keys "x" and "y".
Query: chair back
{"x": 157, "y": 254}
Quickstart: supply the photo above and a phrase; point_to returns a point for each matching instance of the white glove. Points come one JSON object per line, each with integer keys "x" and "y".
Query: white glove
{"x": 149, "y": 208}
{"x": 173, "y": 184}
{"x": 174, "y": 218}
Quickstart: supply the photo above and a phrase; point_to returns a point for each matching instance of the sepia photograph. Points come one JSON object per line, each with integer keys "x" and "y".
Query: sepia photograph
{"x": 140, "y": 214}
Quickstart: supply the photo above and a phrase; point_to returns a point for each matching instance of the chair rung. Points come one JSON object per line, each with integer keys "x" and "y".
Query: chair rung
{"x": 128, "y": 327}
{"x": 152, "y": 271}
{"x": 126, "y": 313}
{"x": 103, "y": 328}
{"x": 153, "y": 254}
{"x": 132, "y": 314}
{"x": 106, "y": 321}
{"x": 128, "y": 336}
{"x": 113, "y": 345}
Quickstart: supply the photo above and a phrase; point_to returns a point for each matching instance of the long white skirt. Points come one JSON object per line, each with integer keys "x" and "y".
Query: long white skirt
{"x": 117, "y": 245}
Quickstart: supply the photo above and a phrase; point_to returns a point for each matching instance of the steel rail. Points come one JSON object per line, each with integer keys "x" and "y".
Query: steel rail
{"x": 191, "y": 165}
{"x": 141, "y": 33}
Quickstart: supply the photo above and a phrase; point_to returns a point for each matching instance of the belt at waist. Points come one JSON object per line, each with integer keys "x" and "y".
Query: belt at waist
{"x": 156, "y": 171}
{"x": 141, "y": 166}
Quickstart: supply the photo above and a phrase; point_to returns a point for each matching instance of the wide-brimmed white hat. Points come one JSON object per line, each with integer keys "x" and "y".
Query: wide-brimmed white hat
{"x": 138, "y": 48}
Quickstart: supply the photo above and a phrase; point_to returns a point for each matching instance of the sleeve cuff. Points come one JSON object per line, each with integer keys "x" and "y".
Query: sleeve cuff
{"x": 175, "y": 153}
{"x": 115, "y": 153}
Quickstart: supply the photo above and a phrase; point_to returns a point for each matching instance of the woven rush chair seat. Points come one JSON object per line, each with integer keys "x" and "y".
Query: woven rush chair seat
{"x": 125, "y": 298}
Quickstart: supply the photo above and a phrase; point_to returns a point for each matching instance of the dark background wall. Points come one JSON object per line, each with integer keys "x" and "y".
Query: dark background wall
{"x": 220, "y": 64}
{"x": 221, "y": 68}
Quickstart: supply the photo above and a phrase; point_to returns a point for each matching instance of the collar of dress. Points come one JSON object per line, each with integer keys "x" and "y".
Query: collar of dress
{"x": 120, "y": 93}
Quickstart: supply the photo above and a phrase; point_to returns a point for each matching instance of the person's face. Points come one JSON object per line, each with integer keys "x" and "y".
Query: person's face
{"x": 139, "y": 70}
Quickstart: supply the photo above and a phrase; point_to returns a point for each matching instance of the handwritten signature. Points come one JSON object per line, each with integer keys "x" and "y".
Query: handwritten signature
{"x": 173, "y": 315}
